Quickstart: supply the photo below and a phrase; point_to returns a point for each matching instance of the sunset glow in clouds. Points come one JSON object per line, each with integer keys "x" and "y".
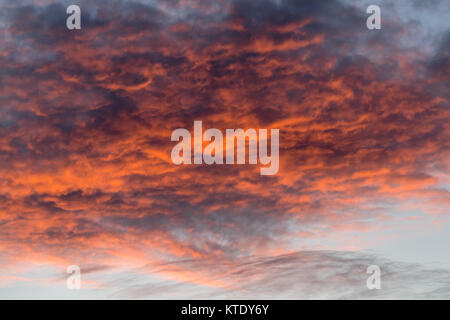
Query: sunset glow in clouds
{"x": 86, "y": 176}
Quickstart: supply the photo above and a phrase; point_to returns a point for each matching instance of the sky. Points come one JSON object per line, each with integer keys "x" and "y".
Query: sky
{"x": 86, "y": 176}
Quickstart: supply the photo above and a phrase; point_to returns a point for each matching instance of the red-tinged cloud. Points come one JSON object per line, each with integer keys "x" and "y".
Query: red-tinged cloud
{"x": 86, "y": 118}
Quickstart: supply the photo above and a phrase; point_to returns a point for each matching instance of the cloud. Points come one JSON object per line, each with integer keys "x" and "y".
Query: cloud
{"x": 86, "y": 118}
{"x": 300, "y": 275}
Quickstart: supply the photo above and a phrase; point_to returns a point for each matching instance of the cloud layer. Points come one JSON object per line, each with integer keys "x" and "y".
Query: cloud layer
{"x": 86, "y": 118}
